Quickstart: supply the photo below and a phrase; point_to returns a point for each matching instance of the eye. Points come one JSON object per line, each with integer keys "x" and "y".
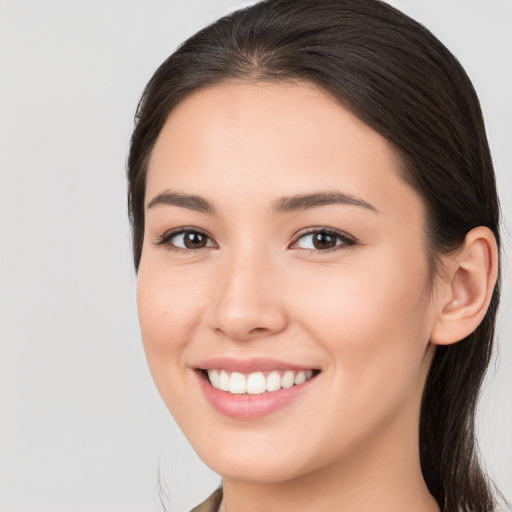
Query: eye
{"x": 324, "y": 240}
{"x": 185, "y": 240}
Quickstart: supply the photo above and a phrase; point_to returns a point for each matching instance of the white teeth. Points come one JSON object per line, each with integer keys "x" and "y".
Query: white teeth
{"x": 273, "y": 381}
{"x": 300, "y": 378}
{"x": 288, "y": 380}
{"x": 223, "y": 381}
{"x": 237, "y": 383}
{"x": 256, "y": 383}
{"x": 214, "y": 377}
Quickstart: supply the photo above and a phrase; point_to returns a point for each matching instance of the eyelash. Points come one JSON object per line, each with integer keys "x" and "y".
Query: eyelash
{"x": 166, "y": 238}
{"x": 346, "y": 241}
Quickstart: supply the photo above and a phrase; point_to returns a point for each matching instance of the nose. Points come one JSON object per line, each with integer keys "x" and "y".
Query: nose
{"x": 248, "y": 303}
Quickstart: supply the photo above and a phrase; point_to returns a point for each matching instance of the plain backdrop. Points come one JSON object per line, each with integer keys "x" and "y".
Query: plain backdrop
{"x": 82, "y": 427}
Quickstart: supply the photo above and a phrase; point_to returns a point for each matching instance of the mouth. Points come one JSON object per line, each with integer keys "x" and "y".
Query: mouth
{"x": 249, "y": 389}
{"x": 258, "y": 382}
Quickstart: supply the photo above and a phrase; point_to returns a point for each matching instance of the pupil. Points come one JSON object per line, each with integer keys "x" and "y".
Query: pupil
{"x": 194, "y": 240}
{"x": 324, "y": 241}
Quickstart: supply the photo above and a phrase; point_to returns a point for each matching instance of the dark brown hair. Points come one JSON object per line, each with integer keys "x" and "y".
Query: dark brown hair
{"x": 398, "y": 78}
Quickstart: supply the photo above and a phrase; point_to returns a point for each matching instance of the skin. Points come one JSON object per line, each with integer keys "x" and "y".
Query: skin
{"x": 363, "y": 314}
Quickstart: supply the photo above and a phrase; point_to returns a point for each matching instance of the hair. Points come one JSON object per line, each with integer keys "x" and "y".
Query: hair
{"x": 393, "y": 74}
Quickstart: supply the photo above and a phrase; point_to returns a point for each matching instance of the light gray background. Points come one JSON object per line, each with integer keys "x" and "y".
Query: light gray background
{"x": 82, "y": 427}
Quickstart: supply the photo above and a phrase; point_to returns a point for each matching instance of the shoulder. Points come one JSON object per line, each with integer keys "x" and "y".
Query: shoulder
{"x": 211, "y": 504}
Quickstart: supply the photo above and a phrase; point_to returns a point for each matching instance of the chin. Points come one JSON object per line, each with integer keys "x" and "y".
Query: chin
{"x": 254, "y": 469}
{"x": 253, "y": 456}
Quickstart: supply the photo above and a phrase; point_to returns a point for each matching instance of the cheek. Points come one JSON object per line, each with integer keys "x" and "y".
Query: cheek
{"x": 370, "y": 317}
{"x": 169, "y": 306}
{"x": 372, "y": 326}
{"x": 375, "y": 293}
{"x": 169, "y": 313}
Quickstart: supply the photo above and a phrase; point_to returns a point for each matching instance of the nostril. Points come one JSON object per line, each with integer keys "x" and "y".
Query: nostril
{"x": 257, "y": 330}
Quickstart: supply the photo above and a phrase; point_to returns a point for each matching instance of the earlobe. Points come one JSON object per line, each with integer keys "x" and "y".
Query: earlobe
{"x": 468, "y": 286}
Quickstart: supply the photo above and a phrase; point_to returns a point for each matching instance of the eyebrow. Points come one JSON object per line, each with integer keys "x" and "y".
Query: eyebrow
{"x": 191, "y": 202}
{"x": 307, "y": 201}
{"x": 279, "y": 206}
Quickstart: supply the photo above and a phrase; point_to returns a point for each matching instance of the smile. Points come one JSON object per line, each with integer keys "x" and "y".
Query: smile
{"x": 254, "y": 388}
{"x": 256, "y": 383}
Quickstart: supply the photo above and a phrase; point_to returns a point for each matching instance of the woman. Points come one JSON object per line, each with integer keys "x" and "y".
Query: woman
{"x": 315, "y": 230}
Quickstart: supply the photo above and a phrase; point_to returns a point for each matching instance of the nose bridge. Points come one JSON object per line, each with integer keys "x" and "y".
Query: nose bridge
{"x": 247, "y": 303}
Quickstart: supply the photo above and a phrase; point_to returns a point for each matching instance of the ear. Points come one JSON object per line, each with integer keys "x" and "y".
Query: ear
{"x": 466, "y": 287}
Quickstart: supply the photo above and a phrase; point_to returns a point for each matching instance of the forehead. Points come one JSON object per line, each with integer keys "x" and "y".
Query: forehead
{"x": 267, "y": 116}
{"x": 260, "y": 139}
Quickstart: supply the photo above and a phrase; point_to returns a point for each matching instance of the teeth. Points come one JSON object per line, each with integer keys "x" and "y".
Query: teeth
{"x": 223, "y": 381}
{"x": 288, "y": 380}
{"x": 256, "y": 383}
{"x": 214, "y": 377}
{"x": 237, "y": 383}
{"x": 273, "y": 381}
{"x": 300, "y": 378}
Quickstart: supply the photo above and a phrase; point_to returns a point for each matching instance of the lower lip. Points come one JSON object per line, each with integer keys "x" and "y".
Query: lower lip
{"x": 248, "y": 406}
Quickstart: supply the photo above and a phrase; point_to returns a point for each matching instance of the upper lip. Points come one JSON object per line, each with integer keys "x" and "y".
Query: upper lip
{"x": 250, "y": 365}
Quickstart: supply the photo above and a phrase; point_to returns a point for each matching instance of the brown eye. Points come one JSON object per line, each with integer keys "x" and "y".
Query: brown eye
{"x": 186, "y": 239}
{"x": 193, "y": 240}
{"x": 323, "y": 240}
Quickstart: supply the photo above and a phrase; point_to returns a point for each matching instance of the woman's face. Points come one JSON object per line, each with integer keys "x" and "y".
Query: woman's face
{"x": 281, "y": 245}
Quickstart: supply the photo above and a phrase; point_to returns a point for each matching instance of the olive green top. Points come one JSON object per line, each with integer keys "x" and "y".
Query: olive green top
{"x": 211, "y": 504}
